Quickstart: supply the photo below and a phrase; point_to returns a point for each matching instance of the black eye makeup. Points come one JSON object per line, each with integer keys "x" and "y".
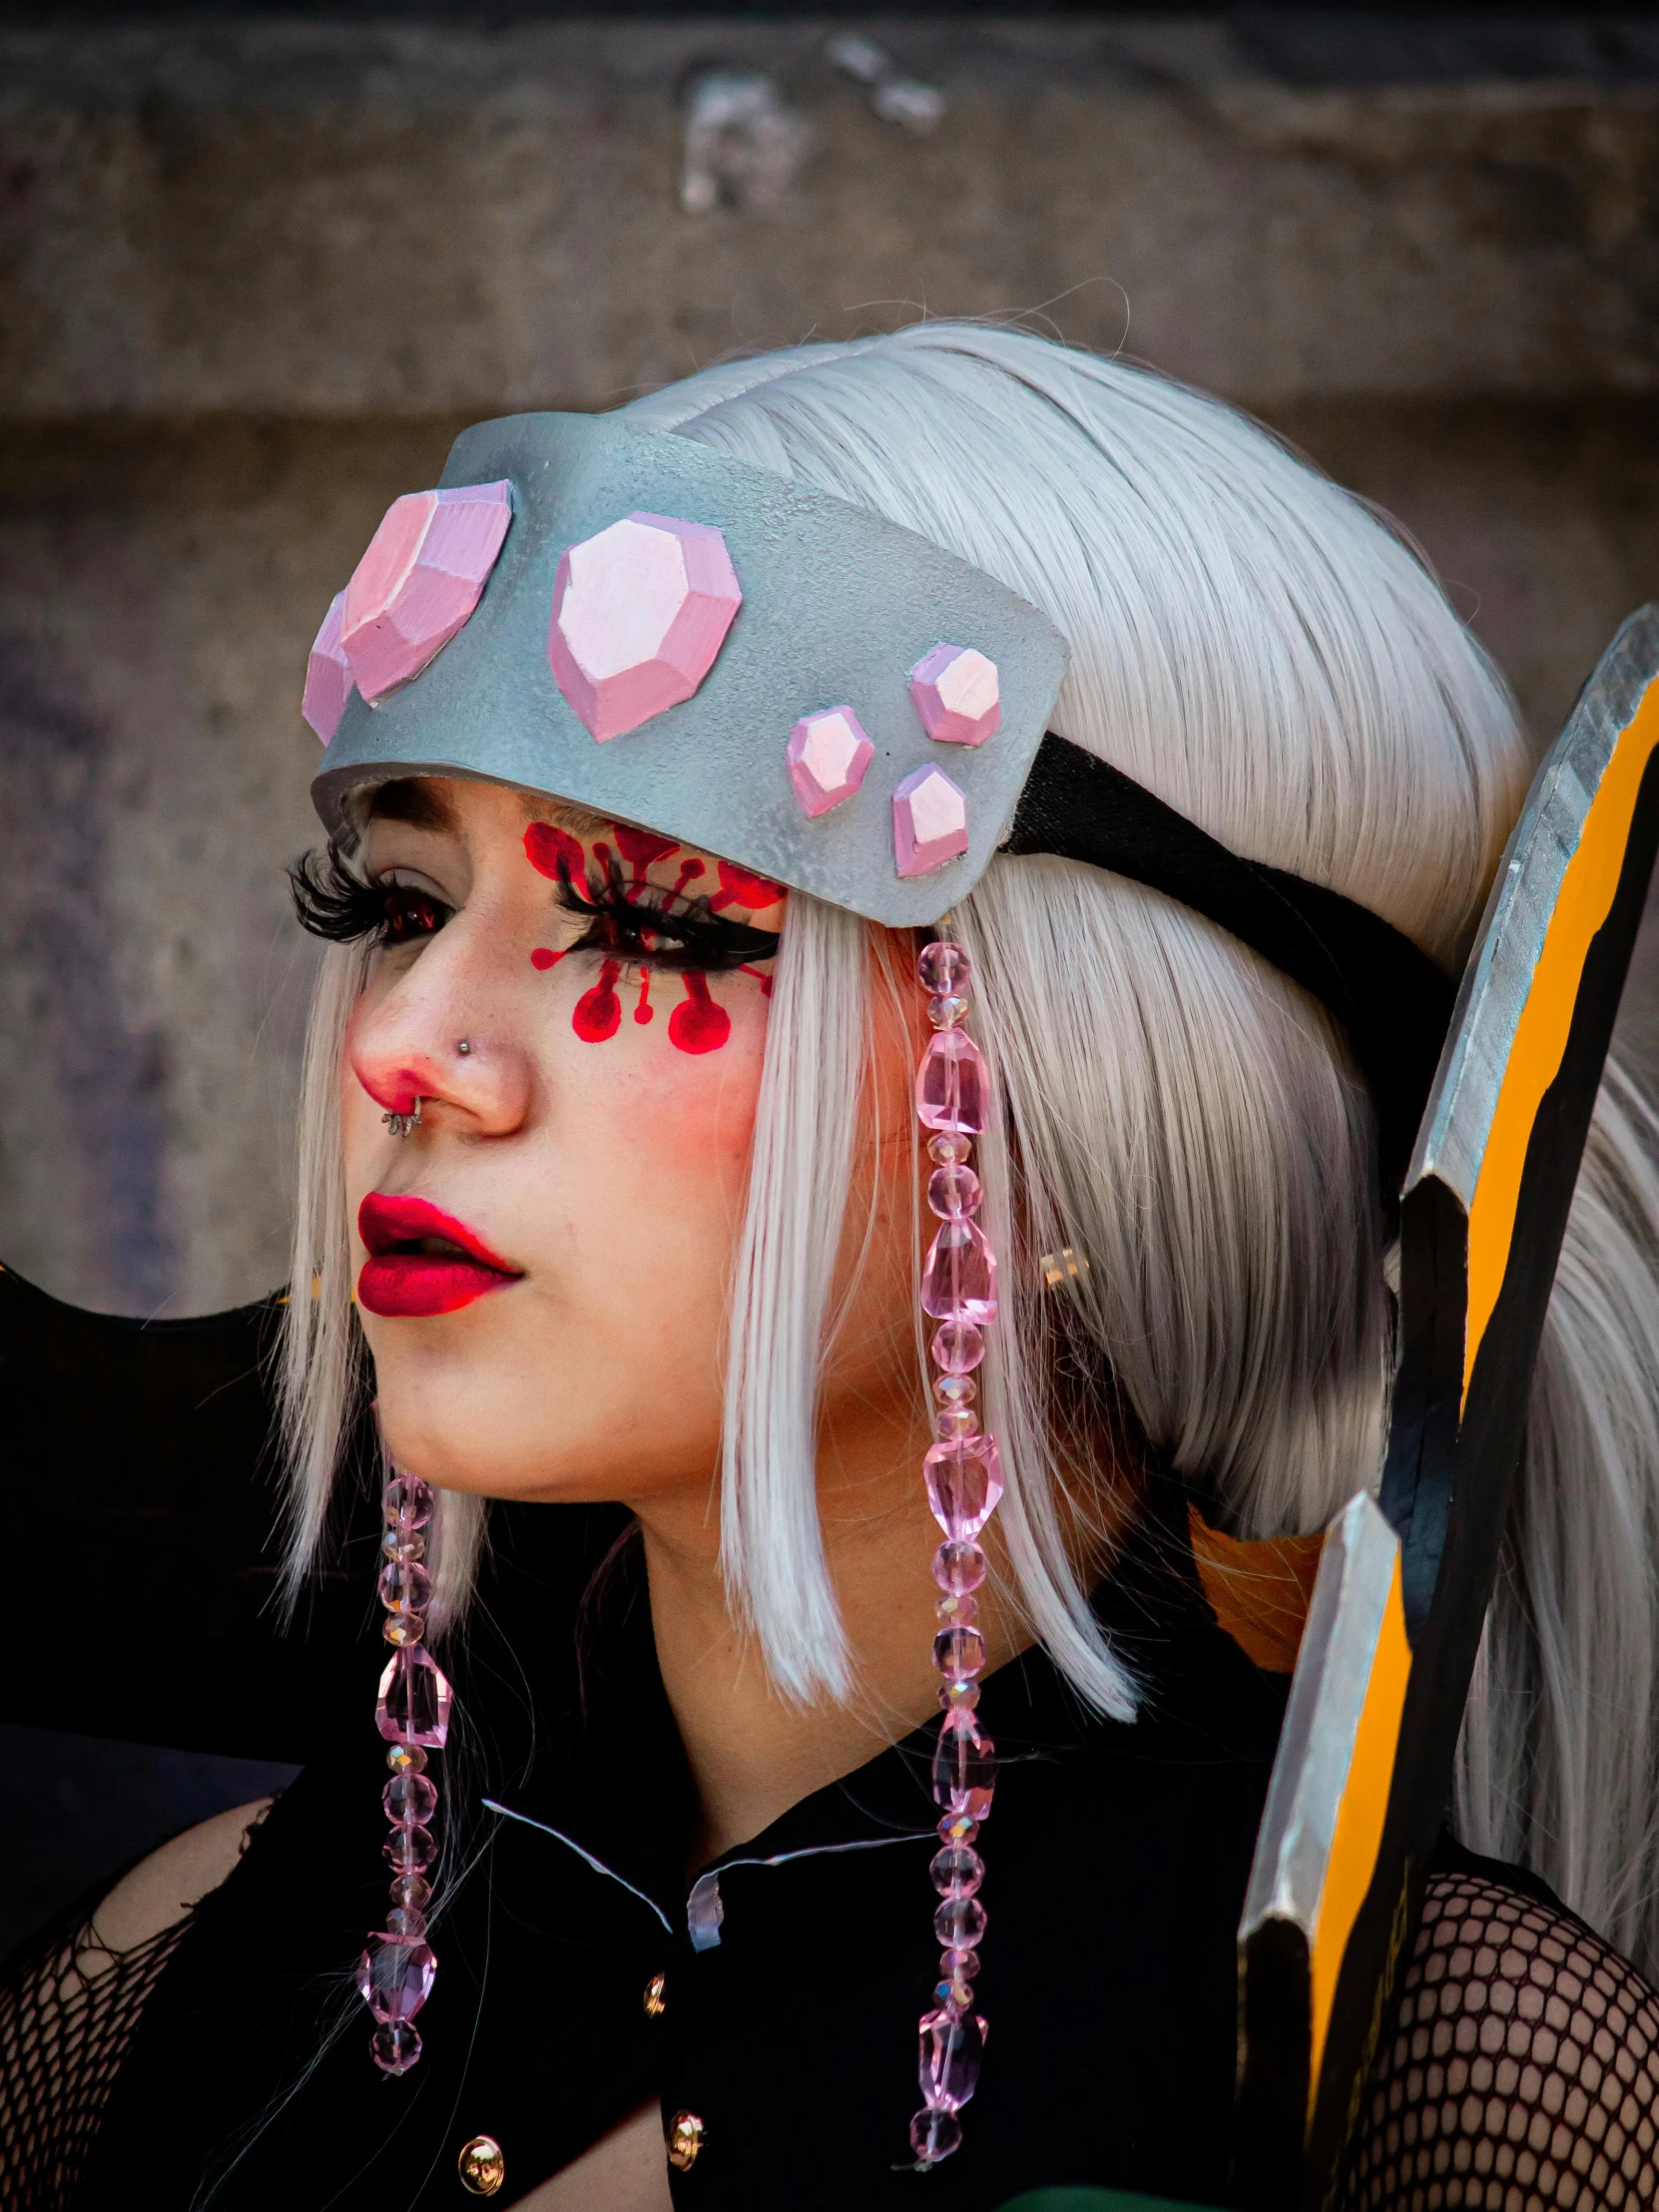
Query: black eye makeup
{"x": 332, "y": 903}
{"x": 646, "y": 927}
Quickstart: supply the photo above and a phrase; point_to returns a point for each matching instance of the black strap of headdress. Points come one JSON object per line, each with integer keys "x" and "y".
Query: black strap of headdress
{"x": 1391, "y": 1000}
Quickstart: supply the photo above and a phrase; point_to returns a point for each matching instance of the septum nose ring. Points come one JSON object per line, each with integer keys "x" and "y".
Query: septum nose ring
{"x": 401, "y": 1125}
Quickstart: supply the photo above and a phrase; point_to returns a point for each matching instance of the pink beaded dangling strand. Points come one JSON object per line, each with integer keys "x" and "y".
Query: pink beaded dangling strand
{"x": 964, "y": 1481}
{"x": 394, "y": 1974}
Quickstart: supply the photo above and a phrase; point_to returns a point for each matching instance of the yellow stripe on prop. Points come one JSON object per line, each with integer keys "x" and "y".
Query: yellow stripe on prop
{"x": 1587, "y": 891}
{"x": 1359, "y": 1831}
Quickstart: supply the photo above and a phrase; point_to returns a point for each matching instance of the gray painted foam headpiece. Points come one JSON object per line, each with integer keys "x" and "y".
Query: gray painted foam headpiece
{"x": 760, "y": 684}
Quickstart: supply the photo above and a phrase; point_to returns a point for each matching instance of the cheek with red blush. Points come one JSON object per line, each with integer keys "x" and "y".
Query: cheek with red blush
{"x": 698, "y": 1023}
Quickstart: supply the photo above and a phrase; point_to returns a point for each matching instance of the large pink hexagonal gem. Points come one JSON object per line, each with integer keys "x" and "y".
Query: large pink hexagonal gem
{"x": 639, "y": 613}
{"x": 957, "y": 693}
{"x": 929, "y": 820}
{"x": 328, "y": 676}
{"x": 423, "y": 574}
{"x": 828, "y": 754}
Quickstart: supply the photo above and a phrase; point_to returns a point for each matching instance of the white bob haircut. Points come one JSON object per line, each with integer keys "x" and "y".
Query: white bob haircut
{"x": 1258, "y": 648}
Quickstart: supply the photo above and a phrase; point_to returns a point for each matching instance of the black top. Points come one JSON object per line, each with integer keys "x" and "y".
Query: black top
{"x": 1116, "y": 1855}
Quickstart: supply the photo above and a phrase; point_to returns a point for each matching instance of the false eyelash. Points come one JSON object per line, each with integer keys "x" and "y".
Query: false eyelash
{"x": 332, "y": 903}
{"x": 688, "y": 935}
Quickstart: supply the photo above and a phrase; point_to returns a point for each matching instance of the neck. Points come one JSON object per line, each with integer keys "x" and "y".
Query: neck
{"x": 753, "y": 1753}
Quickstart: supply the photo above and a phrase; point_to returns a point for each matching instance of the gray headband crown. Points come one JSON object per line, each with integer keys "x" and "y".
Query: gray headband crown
{"x": 632, "y": 622}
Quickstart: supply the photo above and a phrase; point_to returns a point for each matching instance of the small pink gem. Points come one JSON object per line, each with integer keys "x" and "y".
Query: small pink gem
{"x": 964, "y": 1485}
{"x": 957, "y": 1347}
{"x": 944, "y": 967}
{"x": 954, "y": 1084}
{"x": 929, "y": 820}
{"x": 959, "y": 1653}
{"x": 410, "y": 1799}
{"x": 409, "y": 1850}
{"x": 958, "y": 1276}
{"x": 934, "y": 2134}
{"x": 965, "y": 1782}
{"x": 957, "y": 693}
{"x": 396, "y": 2046}
{"x": 640, "y": 612}
{"x": 395, "y": 1975}
{"x": 953, "y": 1192}
{"x": 956, "y": 1872}
{"x": 407, "y": 1502}
{"x": 828, "y": 754}
{"x": 952, "y": 2046}
{"x": 329, "y": 678}
{"x": 958, "y": 1567}
{"x": 413, "y": 1704}
{"x": 408, "y": 1588}
{"x": 418, "y": 583}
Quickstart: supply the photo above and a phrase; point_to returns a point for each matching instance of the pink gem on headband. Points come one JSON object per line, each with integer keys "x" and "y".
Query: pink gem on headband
{"x": 640, "y": 612}
{"x": 329, "y": 678}
{"x": 828, "y": 754}
{"x": 423, "y": 574}
{"x": 956, "y": 693}
{"x": 929, "y": 820}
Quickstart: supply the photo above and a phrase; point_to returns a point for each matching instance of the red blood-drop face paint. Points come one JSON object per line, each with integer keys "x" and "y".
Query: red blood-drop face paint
{"x": 690, "y": 870}
{"x": 764, "y": 981}
{"x": 555, "y": 854}
{"x": 645, "y": 1011}
{"x": 697, "y": 1024}
{"x": 740, "y": 886}
{"x": 640, "y": 847}
{"x": 545, "y": 957}
{"x": 597, "y": 1014}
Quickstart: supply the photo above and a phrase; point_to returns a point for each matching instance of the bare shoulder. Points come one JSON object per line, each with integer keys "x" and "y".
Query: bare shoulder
{"x": 162, "y": 1889}
{"x": 625, "y": 2171}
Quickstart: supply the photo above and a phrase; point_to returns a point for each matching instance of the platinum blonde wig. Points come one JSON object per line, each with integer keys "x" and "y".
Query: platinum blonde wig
{"x": 1257, "y": 648}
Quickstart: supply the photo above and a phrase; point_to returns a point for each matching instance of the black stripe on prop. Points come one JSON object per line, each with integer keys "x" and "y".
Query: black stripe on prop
{"x": 1391, "y": 998}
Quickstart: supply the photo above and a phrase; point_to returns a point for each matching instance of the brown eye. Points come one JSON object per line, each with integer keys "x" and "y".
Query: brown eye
{"x": 410, "y": 915}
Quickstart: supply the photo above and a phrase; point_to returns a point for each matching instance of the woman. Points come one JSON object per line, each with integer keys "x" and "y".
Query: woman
{"x": 609, "y": 1124}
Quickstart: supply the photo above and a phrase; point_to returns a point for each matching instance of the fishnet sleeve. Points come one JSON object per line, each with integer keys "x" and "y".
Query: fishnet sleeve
{"x": 1523, "y": 2073}
{"x": 68, "y": 2009}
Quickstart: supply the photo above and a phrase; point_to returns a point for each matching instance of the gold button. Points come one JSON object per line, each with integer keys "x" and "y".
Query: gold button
{"x": 482, "y": 2165}
{"x": 656, "y": 2005}
{"x": 685, "y": 2141}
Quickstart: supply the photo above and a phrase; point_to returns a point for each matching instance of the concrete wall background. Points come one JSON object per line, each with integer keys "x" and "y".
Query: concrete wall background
{"x": 254, "y": 273}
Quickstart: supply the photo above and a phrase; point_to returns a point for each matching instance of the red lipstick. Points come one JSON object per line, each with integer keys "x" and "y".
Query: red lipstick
{"x": 422, "y": 1261}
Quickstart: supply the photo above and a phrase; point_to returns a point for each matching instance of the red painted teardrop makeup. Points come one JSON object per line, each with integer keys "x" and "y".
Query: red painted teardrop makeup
{"x": 698, "y": 1023}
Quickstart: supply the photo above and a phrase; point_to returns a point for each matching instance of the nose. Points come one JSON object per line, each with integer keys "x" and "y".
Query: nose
{"x": 442, "y": 1036}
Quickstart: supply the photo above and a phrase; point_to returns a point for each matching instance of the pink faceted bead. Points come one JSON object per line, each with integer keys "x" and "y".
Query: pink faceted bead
{"x": 929, "y": 820}
{"x": 956, "y": 693}
{"x": 406, "y": 1587}
{"x": 329, "y": 677}
{"x": 394, "y": 1977}
{"x": 934, "y": 2134}
{"x": 423, "y": 574}
{"x": 407, "y": 1502}
{"x": 952, "y": 2046}
{"x": 640, "y": 612}
{"x": 413, "y": 1704}
{"x": 964, "y": 1485}
{"x": 953, "y": 1085}
{"x": 958, "y": 1276}
{"x": 957, "y": 1347}
{"x": 409, "y": 1850}
{"x": 958, "y": 1567}
{"x": 944, "y": 967}
{"x": 965, "y": 1782}
{"x": 953, "y": 1192}
{"x": 410, "y": 1800}
{"x": 395, "y": 2046}
{"x": 828, "y": 754}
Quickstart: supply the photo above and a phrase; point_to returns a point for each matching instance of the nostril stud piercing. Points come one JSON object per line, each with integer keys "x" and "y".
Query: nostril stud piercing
{"x": 463, "y": 1046}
